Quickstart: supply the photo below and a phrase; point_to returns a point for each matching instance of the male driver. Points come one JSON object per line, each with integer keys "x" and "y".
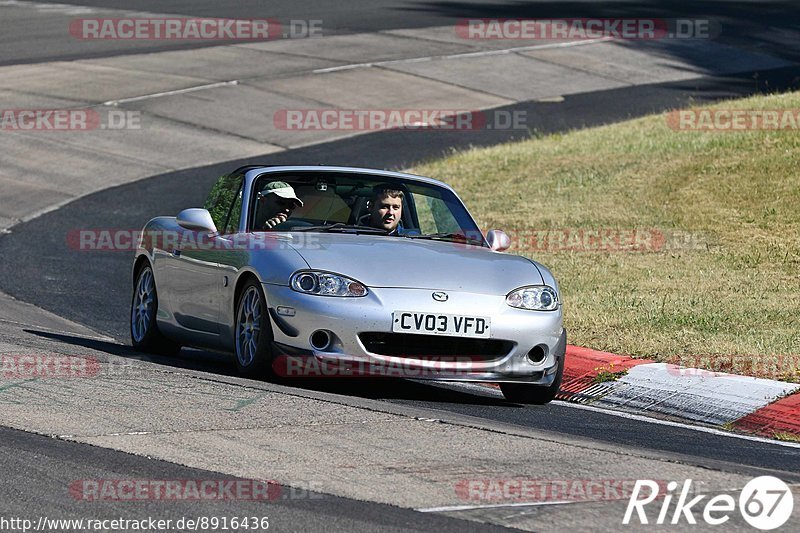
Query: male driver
{"x": 277, "y": 200}
{"x": 386, "y": 208}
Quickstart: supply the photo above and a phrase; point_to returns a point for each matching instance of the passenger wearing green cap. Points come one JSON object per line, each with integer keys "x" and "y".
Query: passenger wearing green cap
{"x": 278, "y": 200}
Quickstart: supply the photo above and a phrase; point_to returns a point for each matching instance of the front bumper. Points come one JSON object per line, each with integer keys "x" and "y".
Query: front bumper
{"x": 346, "y": 318}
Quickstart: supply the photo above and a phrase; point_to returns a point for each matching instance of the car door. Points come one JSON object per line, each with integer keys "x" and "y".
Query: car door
{"x": 195, "y": 277}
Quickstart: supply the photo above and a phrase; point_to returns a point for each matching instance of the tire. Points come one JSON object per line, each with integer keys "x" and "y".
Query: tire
{"x": 253, "y": 334}
{"x": 145, "y": 335}
{"x": 537, "y": 394}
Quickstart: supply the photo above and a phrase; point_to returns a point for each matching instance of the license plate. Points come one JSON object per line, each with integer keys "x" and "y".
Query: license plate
{"x": 441, "y": 324}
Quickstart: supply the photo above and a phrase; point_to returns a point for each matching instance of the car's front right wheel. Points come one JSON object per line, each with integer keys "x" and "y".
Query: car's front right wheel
{"x": 253, "y": 340}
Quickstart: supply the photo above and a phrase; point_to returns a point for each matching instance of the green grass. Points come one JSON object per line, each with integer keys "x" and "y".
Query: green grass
{"x": 720, "y": 291}
{"x": 786, "y": 436}
{"x": 604, "y": 376}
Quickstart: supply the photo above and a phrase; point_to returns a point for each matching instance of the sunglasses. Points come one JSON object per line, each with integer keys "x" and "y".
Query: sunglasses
{"x": 286, "y": 204}
{"x": 281, "y": 202}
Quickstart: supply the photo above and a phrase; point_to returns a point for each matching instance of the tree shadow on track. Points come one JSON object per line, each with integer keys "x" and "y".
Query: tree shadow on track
{"x": 764, "y": 23}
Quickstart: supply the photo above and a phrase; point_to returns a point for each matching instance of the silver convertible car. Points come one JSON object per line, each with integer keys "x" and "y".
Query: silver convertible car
{"x": 304, "y": 271}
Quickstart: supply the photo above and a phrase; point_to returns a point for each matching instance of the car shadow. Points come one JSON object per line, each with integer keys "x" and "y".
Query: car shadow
{"x": 223, "y": 364}
{"x": 399, "y": 389}
{"x": 189, "y": 358}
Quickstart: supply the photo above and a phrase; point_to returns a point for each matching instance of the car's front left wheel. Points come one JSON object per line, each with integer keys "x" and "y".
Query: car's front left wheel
{"x": 253, "y": 341}
{"x": 538, "y": 394}
{"x": 534, "y": 394}
{"x": 145, "y": 335}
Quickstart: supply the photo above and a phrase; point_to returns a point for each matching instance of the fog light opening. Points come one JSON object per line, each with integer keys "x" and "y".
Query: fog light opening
{"x": 538, "y": 354}
{"x": 320, "y": 340}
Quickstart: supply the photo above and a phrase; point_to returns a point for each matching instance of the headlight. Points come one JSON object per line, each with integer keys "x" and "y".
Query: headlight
{"x": 326, "y": 284}
{"x": 539, "y": 298}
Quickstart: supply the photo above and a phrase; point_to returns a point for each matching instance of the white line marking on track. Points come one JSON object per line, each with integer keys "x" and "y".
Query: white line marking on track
{"x": 482, "y": 53}
{"x": 171, "y": 93}
{"x": 488, "y": 506}
{"x": 67, "y": 9}
{"x": 69, "y": 437}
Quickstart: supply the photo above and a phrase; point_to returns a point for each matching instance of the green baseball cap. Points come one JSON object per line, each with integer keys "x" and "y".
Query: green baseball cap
{"x": 282, "y": 189}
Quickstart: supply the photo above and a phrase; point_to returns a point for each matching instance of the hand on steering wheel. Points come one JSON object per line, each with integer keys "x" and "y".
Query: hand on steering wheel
{"x": 274, "y": 221}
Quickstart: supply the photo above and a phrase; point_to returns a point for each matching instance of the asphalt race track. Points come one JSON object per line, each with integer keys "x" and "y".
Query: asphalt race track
{"x": 39, "y": 267}
{"x": 36, "y": 34}
{"x": 46, "y": 272}
{"x": 37, "y": 487}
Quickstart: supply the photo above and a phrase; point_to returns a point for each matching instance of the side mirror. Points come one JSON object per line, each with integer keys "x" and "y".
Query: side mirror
{"x": 196, "y": 220}
{"x": 498, "y": 240}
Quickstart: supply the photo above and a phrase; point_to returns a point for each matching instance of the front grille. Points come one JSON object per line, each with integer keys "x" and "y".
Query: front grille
{"x": 421, "y": 346}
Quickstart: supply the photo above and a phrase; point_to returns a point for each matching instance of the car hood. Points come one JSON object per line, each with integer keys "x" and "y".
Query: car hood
{"x": 379, "y": 261}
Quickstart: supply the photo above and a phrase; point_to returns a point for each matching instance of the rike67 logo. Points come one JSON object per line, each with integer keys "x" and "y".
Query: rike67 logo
{"x": 765, "y": 503}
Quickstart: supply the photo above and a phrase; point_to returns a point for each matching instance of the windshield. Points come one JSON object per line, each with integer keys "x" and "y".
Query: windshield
{"x": 358, "y": 203}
